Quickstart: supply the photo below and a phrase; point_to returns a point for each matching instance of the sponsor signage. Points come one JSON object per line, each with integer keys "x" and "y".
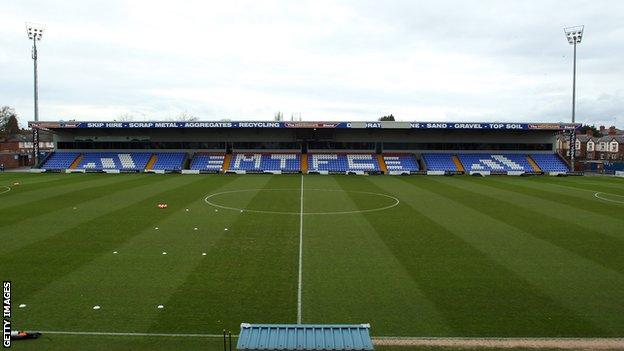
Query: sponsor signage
{"x": 305, "y": 125}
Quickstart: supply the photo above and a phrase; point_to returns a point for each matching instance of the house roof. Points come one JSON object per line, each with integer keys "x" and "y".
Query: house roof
{"x": 609, "y": 138}
{"x": 304, "y": 337}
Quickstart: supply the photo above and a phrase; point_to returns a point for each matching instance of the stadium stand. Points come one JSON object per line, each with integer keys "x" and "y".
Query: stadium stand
{"x": 169, "y": 161}
{"x": 129, "y": 161}
{"x": 496, "y": 163}
{"x": 207, "y": 162}
{"x": 401, "y": 163}
{"x": 440, "y": 162}
{"x": 550, "y": 162}
{"x": 60, "y": 160}
{"x": 343, "y": 163}
{"x": 261, "y": 162}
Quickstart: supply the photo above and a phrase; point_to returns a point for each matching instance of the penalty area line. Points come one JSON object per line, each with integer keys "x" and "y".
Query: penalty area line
{"x": 8, "y": 188}
{"x": 130, "y": 334}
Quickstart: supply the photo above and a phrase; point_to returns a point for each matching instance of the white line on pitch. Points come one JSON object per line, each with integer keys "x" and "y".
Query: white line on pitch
{"x": 300, "y": 256}
{"x": 131, "y": 334}
{"x": 8, "y": 188}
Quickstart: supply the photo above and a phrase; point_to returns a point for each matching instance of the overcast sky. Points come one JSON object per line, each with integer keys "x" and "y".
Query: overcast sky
{"x": 325, "y": 60}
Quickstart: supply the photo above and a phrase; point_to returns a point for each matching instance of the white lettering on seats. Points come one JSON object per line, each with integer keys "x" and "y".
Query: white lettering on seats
{"x": 283, "y": 158}
{"x": 255, "y": 158}
{"x": 126, "y": 161}
{"x": 322, "y": 159}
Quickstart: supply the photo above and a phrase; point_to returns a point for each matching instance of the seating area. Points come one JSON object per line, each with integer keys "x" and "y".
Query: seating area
{"x": 207, "y": 162}
{"x": 401, "y": 163}
{"x": 395, "y": 163}
{"x": 440, "y": 162}
{"x": 330, "y": 162}
{"x": 129, "y": 161}
{"x": 261, "y": 162}
{"x": 550, "y": 163}
{"x": 497, "y": 163}
{"x": 169, "y": 161}
{"x": 60, "y": 160}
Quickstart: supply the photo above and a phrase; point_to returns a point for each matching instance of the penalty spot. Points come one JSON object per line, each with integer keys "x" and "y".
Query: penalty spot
{"x": 96, "y": 307}
{"x": 22, "y": 305}
{"x": 160, "y": 306}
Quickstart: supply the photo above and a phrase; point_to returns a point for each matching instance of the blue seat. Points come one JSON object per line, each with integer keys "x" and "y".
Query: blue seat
{"x": 495, "y": 162}
{"x": 60, "y": 160}
{"x": 550, "y": 163}
{"x": 260, "y": 162}
{"x": 401, "y": 162}
{"x": 440, "y": 162}
{"x": 207, "y": 162}
{"x": 123, "y": 161}
{"x": 332, "y": 162}
{"x": 169, "y": 161}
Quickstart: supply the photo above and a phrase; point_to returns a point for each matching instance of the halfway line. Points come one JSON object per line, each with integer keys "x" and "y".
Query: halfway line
{"x": 300, "y": 255}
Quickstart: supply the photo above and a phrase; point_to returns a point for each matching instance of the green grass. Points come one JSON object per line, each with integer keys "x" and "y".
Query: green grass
{"x": 458, "y": 256}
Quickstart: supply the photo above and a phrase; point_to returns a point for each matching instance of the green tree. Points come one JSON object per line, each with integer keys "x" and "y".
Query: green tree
{"x": 9, "y": 124}
{"x": 595, "y": 131}
{"x": 389, "y": 117}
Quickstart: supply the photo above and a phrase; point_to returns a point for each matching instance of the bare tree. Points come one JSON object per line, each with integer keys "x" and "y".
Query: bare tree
{"x": 125, "y": 117}
{"x": 186, "y": 117}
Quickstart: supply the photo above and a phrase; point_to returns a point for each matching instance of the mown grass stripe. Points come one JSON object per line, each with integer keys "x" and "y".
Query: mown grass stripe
{"x": 69, "y": 199}
{"x": 28, "y": 194}
{"x": 603, "y": 217}
{"x": 48, "y": 224}
{"x": 47, "y": 260}
{"x": 576, "y": 283}
{"x": 535, "y": 220}
{"x": 352, "y": 277}
{"x": 249, "y": 274}
{"x": 148, "y": 278}
{"x": 437, "y": 258}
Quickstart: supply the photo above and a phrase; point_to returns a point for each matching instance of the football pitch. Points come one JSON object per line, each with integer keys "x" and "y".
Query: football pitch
{"x": 413, "y": 256}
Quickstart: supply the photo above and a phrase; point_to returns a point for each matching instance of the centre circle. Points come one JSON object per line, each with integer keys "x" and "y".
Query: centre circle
{"x": 619, "y": 199}
{"x": 325, "y": 199}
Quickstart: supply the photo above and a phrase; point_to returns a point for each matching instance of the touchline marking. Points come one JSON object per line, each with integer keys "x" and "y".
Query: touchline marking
{"x": 300, "y": 255}
{"x": 597, "y": 195}
{"x": 132, "y": 334}
{"x": 400, "y": 340}
{"x": 8, "y": 188}
{"x": 394, "y": 199}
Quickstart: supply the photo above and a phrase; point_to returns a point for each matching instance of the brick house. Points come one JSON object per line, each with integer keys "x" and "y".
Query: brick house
{"x": 609, "y": 147}
{"x": 16, "y": 150}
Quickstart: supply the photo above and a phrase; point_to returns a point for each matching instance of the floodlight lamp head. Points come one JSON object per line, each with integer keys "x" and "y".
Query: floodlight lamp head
{"x": 574, "y": 34}
{"x": 34, "y": 31}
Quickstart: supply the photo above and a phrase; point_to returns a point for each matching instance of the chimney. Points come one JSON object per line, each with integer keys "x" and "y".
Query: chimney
{"x": 602, "y": 130}
{"x": 612, "y": 131}
{"x": 589, "y": 133}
